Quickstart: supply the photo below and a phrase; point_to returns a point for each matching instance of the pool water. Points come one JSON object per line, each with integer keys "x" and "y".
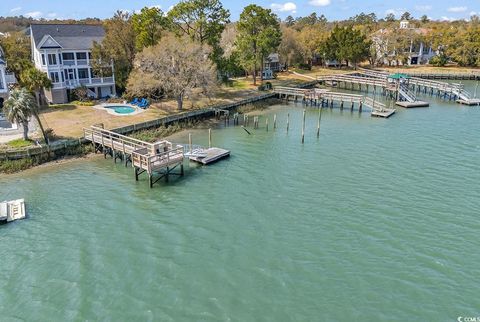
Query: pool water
{"x": 122, "y": 109}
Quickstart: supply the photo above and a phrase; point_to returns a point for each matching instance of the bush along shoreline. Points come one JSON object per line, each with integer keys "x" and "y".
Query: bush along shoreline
{"x": 13, "y": 166}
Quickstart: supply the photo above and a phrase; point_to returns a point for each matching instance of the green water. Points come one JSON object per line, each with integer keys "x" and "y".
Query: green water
{"x": 378, "y": 220}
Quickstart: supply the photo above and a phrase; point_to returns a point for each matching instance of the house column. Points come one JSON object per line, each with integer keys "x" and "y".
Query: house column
{"x": 4, "y": 79}
{"x": 114, "y": 92}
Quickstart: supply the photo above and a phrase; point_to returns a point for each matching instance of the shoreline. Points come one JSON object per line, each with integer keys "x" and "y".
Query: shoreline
{"x": 200, "y": 125}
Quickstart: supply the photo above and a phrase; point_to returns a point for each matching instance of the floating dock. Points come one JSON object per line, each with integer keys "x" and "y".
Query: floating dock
{"x": 470, "y": 102}
{"x": 386, "y": 113}
{"x": 213, "y": 155}
{"x": 407, "y": 104}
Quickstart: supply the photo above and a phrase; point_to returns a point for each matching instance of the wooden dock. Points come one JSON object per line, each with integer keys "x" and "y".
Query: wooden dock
{"x": 324, "y": 97}
{"x": 366, "y": 79}
{"x": 213, "y": 155}
{"x": 159, "y": 158}
{"x": 416, "y": 84}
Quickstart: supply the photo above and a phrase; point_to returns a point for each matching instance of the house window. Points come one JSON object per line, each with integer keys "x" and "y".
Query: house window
{"x": 82, "y": 73}
{"x": 68, "y": 56}
{"x": 43, "y": 59}
{"x": 81, "y": 56}
{"x": 54, "y": 77}
{"x": 52, "y": 59}
{"x": 89, "y": 55}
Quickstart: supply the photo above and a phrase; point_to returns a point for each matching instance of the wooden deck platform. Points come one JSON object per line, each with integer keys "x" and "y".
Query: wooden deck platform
{"x": 213, "y": 155}
{"x": 407, "y": 104}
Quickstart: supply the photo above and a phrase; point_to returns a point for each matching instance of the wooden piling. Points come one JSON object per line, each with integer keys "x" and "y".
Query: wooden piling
{"x": 288, "y": 121}
{"x": 319, "y": 119}
{"x": 209, "y": 138}
{"x": 190, "y": 141}
{"x": 303, "y": 128}
{"x": 266, "y": 123}
{"x": 274, "y": 121}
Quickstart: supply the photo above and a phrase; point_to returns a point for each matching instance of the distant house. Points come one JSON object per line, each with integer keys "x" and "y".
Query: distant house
{"x": 63, "y": 51}
{"x": 272, "y": 62}
{"x": 418, "y": 53}
{"x": 6, "y": 79}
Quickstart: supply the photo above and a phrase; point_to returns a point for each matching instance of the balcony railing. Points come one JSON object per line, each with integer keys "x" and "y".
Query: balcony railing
{"x": 85, "y": 81}
{"x": 71, "y": 62}
{"x": 68, "y": 62}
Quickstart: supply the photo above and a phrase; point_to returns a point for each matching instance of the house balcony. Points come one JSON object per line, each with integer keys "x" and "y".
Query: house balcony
{"x": 98, "y": 81}
{"x": 78, "y": 62}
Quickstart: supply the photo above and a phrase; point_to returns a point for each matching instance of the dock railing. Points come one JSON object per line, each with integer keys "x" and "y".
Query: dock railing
{"x": 143, "y": 160}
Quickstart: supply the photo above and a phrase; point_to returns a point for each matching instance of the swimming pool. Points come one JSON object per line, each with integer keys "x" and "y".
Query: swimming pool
{"x": 122, "y": 109}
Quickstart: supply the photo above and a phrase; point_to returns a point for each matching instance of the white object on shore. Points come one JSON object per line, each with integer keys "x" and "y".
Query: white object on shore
{"x": 12, "y": 210}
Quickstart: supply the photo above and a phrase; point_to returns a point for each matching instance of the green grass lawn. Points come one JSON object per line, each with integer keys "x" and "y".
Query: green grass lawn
{"x": 19, "y": 143}
{"x": 240, "y": 84}
{"x": 16, "y": 144}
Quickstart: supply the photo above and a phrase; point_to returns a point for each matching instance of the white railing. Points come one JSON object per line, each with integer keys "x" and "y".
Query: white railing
{"x": 84, "y": 81}
{"x": 71, "y": 62}
{"x": 58, "y": 85}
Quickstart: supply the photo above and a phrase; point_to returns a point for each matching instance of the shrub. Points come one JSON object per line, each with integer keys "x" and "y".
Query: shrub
{"x": 50, "y": 133}
{"x": 83, "y": 103}
{"x": 80, "y": 94}
{"x": 12, "y": 166}
{"x": 304, "y": 66}
{"x": 439, "y": 61}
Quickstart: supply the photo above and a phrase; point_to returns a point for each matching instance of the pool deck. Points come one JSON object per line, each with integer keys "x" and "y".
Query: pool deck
{"x": 105, "y": 107}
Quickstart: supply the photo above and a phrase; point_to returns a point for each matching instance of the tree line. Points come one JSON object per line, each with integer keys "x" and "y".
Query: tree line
{"x": 219, "y": 48}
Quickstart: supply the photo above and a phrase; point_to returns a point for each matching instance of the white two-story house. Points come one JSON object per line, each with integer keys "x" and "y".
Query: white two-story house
{"x": 417, "y": 52}
{"x": 6, "y": 79}
{"x": 63, "y": 51}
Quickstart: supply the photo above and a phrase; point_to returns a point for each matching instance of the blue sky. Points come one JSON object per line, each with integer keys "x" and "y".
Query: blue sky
{"x": 332, "y": 9}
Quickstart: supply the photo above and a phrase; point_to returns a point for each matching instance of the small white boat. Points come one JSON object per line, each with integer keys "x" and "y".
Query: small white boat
{"x": 196, "y": 153}
{"x": 12, "y": 210}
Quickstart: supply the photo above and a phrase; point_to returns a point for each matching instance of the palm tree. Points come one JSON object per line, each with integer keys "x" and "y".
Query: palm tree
{"x": 18, "y": 108}
{"x": 35, "y": 81}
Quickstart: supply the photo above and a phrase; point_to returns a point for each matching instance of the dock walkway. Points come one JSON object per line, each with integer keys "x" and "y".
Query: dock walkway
{"x": 325, "y": 97}
{"x": 445, "y": 90}
{"x": 158, "y": 160}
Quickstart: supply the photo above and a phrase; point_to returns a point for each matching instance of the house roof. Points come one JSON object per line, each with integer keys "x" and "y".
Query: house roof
{"x": 66, "y": 36}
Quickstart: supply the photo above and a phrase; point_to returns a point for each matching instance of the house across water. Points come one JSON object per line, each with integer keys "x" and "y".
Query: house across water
{"x": 403, "y": 45}
{"x": 63, "y": 51}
